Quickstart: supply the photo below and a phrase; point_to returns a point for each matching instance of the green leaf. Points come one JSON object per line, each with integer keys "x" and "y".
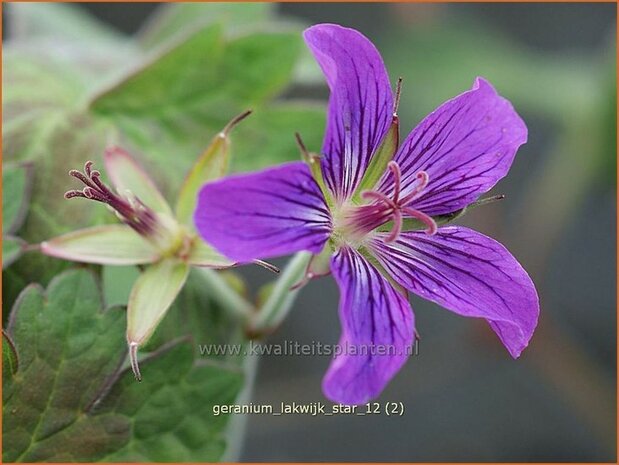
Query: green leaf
{"x": 194, "y": 89}
{"x": 117, "y": 283}
{"x": 57, "y": 21}
{"x": 16, "y": 183}
{"x": 36, "y": 85}
{"x": 267, "y": 137}
{"x": 112, "y": 244}
{"x": 10, "y": 361}
{"x": 68, "y": 349}
{"x": 71, "y": 400}
{"x": 172, "y": 19}
{"x": 161, "y": 87}
{"x": 12, "y": 248}
{"x": 68, "y": 145}
{"x": 172, "y": 409}
{"x": 151, "y": 296}
{"x": 261, "y": 65}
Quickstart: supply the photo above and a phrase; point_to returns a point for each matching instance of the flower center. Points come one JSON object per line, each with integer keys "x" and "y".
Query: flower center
{"x": 359, "y": 220}
{"x": 161, "y": 230}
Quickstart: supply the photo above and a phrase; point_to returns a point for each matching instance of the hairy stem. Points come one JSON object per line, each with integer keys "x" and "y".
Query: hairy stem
{"x": 231, "y": 301}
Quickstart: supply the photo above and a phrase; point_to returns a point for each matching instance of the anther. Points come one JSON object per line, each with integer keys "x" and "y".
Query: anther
{"x": 130, "y": 210}
{"x": 73, "y": 193}
{"x": 87, "y": 167}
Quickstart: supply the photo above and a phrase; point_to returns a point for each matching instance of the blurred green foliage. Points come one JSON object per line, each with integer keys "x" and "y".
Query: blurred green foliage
{"x": 72, "y": 87}
{"x": 16, "y": 184}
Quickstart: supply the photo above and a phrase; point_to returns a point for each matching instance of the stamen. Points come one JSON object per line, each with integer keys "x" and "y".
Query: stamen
{"x": 131, "y": 211}
{"x": 423, "y": 179}
{"x": 397, "y": 227}
{"x": 87, "y": 181}
{"x": 379, "y": 196}
{"x": 425, "y": 219}
{"x": 87, "y": 167}
{"x": 92, "y": 194}
{"x": 383, "y": 208}
{"x": 397, "y": 176}
{"x": 73, "y": 193}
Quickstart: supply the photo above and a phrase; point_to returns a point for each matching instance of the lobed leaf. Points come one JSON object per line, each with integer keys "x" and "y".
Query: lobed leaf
{"x": 68, "y": 349}
{"x": 70, "y": 400}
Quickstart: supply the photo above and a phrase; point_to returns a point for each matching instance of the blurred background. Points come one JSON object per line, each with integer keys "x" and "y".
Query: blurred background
{"x": 465, "y": 398}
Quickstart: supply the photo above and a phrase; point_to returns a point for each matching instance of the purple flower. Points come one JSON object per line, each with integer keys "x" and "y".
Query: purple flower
{"x": 370, "y": 212}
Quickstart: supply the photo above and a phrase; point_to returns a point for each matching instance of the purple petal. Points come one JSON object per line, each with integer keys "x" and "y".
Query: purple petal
{"x": 469, "y": 274}
{"x": 265, "y": 214}
{"x": 377, "y": 331}
{"x": 360, "y": 105}
{"x": 466, "y": 146}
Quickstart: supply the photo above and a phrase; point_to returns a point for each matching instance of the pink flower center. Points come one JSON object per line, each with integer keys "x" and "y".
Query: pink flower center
{"x": 363, "y": 219}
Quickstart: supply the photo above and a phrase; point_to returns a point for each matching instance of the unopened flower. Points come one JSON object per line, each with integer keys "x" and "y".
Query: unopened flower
{"x": 151, "y": 233}
{"x": 371, "y": 209}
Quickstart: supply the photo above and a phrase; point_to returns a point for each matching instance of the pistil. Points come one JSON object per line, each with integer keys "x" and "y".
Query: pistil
{"x": 129, "y": 209}
{"x": 361, "y": 220}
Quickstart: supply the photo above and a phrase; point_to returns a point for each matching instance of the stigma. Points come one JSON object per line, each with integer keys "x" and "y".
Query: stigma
{"x": 360, "y": 220}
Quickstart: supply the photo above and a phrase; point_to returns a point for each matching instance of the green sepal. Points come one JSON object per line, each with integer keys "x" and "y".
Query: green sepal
{"x": 380, "y": 159}
{"x": 318, "y": 265}
{"x": 212, "y": 164}
{"x": 151, "y": 296}
{"x": 110, "y": 244}
{"x": 202, "y": 254}
{"x": 313, "y": 161}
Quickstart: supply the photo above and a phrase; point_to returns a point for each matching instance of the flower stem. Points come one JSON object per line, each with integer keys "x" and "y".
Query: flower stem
{"x": 280, "y": 301}
{"x": 231, "y": 301}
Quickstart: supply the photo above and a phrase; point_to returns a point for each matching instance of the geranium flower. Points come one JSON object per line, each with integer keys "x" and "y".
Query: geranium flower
{"x": 151, "y": 233}
{"x": 371, "y": 212}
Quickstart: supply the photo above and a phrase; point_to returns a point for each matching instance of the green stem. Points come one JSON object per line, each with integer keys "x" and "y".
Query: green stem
{"x": 280, "y": 301}
{"x": 231, "y": 301}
